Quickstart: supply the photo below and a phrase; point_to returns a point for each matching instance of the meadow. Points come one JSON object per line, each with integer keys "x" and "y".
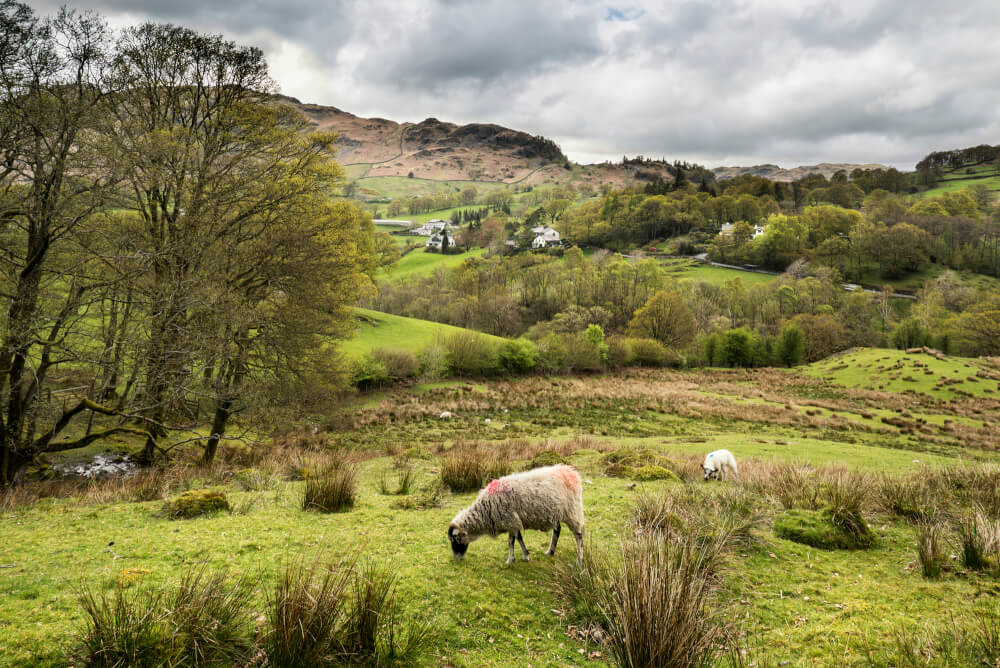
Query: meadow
{"x": 961, "y": 178}
{"x": 384, "y": 330}
{"x": 687, "y": 269}
{"x": 780, "y": 602}
{"x": 418, "y": 262}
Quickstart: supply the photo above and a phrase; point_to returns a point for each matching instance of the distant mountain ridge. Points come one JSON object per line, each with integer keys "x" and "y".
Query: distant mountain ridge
{"x": 776, "y": 173}
{"x": 434, "y": 149}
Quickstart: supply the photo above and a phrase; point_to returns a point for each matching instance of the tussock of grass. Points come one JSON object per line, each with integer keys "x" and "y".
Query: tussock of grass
{"x": 930, "y": 549}
{"x": 331, "y": 491}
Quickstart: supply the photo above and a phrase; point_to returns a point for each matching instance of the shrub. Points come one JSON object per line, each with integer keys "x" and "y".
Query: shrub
{"x": 398, "y": 363}
{"x": 368, "y": 373}
{"x": 547, "y": 458}
{"x": 930, "y": 549}
{"x": 652, "y": 472}
{"x": 551, "y": 353}
{"x": 581, "y": 354}
{"x": 331, "y": 491}
{"x": 816, "y": 529}
{"x": 471, "y": 354}
{"x": 518, "y": 355}
{"x": 197, "y": 502}
{"x": 434, "y": 361}
{"x": 791, "y": 345}
{"x": 646, "y": 352}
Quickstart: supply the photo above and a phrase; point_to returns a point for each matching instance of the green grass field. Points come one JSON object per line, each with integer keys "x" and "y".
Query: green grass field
{"x": 383, "y": 330}
{"x": 961, "y": 178}
{"x": 684, "y": 269}
{"x": 421, "y": 263}
{"x": 898, "y": 371}
{"x": 802, "y": 605}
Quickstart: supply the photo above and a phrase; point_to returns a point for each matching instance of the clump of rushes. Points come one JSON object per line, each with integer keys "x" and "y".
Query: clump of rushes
{"x": 332, "y": 491}
{"x": 196, "y": 502}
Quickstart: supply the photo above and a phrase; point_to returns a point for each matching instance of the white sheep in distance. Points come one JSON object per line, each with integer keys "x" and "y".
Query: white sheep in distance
{"x": 717, "y": 463}
{"x": 540, "y": 499}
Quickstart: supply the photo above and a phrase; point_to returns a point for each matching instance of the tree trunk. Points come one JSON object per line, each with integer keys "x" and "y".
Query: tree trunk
{"x": 222, "y": 412}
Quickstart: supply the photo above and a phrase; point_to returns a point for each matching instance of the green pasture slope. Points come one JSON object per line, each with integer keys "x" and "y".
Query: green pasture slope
{"x": 898, "y": 371}
{"x": 419, "y": 262}
{"x": 960, "y": 178}
{"x": 686, "y": 269}
{"x": 383, "y": 330}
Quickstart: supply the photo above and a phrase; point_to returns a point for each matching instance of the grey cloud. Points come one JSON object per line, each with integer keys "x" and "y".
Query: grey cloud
{"x": 757, "y": 80}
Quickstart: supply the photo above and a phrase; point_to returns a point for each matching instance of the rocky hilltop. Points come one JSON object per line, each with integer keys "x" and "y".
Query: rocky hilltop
{"x": 434, "y": 149}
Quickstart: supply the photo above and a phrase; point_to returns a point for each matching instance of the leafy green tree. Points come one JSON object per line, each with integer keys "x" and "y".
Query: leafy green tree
{"x": 910, "y": 333}
{"x": 666, "y": 318}
{"x": 738, "y": 347}
{"x": 791, "y": 345}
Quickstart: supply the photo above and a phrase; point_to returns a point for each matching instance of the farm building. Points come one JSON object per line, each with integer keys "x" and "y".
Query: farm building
{"x": 544, "y": 237}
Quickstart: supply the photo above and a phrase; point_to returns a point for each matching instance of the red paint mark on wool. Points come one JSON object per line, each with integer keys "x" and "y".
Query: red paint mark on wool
{"x": 568, "y": 475}
{"x": 493, "y": 487}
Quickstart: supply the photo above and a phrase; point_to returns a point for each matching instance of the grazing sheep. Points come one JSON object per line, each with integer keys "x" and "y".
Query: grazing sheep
{"x": 446, "y": 415}
{"x": 539, "y": 499}
{"x": 716, "y": 464}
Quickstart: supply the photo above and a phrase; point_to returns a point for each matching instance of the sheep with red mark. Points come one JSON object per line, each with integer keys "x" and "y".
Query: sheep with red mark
{"x": 541, "y": 499}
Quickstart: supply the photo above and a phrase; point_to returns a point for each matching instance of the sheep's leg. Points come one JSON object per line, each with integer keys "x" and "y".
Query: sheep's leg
{"x": 524, "y": 549}
{"x": 722, "y": 473}
{"x": 510, "y": 547}
{"x": 579, "y": 546}
{"x": 552, "y": 545}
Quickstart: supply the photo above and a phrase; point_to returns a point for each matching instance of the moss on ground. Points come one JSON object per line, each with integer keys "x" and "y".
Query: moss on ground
{"x": 197, "y": 502}
{"x": 817, "y": 529}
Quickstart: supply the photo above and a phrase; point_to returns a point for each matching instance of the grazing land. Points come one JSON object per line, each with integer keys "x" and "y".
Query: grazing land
{"x": 384, "y": 330}
{"x": 418, "y": 262}
{"x": 800, "y": 604}
{"x": 685, "y": 269}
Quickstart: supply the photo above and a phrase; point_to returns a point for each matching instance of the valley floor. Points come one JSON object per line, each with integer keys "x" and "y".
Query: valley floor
{"x": 803, "y": 605}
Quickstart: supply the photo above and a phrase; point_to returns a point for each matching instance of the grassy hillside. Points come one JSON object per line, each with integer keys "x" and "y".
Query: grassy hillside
{"x": 421, "y": 263}
{"x": 383, "y": 330}
{"x": 698, "y": 271}
{"x": 965, "y": 176}
{"x": 899, "y": 371}
{"x": 401, "y": 187}
{"x": 800, "y": 605}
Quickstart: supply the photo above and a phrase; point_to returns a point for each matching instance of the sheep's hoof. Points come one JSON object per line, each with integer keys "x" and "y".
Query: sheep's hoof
{"x": 550, "y": 553}
{"x": 508, "y": 562}
{"x": 525, "y": 558}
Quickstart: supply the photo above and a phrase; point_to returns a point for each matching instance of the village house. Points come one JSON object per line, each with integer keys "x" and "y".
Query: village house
{"x": 431, "y": 227}
{"x": 437, "y": 239}
{"x": 727, "y": 229}
{"x": 544, "y": 237}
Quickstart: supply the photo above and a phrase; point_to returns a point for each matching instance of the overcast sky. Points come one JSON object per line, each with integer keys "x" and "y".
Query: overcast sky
{"x": 726, "y": 82}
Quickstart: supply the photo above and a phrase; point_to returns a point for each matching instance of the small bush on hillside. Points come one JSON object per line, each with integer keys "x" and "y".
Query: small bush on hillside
{"x": 518, "y": 355}
{"x": 331, "y": 491}
{"x": 817, "y": 529}
{"x": 652, "y": 472}
{"x": 646, "y": 352}
{"x": 197, "y": 502}
{"x": 551, "y": 353}
{"x": 581, "y": 353}
{"x": 434, "y": 361}
{"x": 399, "y": 364}
{"x": 471, "y": 354}
{"x": 546, "y": 458}
{"x": 368, "y": 373}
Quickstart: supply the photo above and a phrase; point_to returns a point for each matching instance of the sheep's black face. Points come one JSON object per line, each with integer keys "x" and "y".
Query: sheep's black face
{"x": 458, "y": 544}
{"x": 710, "y": 473}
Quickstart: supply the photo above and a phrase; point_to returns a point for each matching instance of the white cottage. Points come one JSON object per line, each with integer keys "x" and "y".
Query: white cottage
{"x": 544, "y": 237}
{"x": 437, "y": 239}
